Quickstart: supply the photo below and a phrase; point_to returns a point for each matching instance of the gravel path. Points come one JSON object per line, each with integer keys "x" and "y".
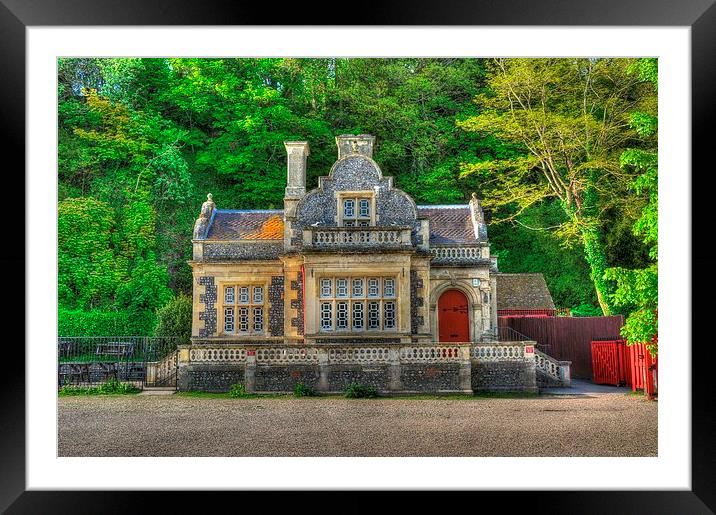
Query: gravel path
{"x": 597, "y": 424}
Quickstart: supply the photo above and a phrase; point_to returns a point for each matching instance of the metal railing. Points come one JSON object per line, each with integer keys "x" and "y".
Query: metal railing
{"x": 93, "y": 360}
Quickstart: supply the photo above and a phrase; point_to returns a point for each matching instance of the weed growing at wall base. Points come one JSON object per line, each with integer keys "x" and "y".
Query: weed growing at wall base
{"x": 360, "y": 391}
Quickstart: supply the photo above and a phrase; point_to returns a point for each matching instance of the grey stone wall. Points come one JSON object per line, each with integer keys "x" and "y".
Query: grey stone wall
{"x": 376, "y": 376}
{"x": 416, "y": 301}
{"x": 430, "y": 377}
{"x": 208, "y": 298}
{"x": 504, "y": 376}
{"x": 276, "y": 308}
{"x": 283, "y": 378}
{"x": 210, "y": 378}
{"x": 297, "y": 304}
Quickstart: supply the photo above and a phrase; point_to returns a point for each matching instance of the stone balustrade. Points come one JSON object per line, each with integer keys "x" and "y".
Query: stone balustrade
{"x": 557, "y": 370}
{"x": 456, "y": 253}
{"x": 355, "y": 237}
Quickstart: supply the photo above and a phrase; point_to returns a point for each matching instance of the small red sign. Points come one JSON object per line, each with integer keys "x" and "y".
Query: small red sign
{"x": 251, "y": 353}
{"x": 529, "y": 349}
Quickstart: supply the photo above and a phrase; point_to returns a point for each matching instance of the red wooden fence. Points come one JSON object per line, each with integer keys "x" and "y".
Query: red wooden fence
{"x": 613, "y": 362}
{"x": 568, "y": 338}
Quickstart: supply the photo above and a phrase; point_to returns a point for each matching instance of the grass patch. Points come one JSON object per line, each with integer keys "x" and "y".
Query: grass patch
{"x": 111, "y": 387}
{"x": 637, "y": 393}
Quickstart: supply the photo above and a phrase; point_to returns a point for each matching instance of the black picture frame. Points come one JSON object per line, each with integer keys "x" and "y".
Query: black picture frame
{"x": 699, "y": 15}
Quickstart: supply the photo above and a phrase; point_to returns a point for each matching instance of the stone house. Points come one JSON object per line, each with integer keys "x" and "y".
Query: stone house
{"x": 353, "y": 262}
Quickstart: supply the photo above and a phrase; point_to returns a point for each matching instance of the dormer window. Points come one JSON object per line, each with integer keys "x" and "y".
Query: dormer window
{"x": 356, "y": 209}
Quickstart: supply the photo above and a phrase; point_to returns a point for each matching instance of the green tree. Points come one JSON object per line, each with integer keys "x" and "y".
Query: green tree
{"x": 174, "y": 319}
{"x": 637, "y": 290}
{"x": 571, "y": 119}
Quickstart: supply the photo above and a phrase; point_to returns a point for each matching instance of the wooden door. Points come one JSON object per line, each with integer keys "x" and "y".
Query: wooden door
{"x": 453, "y": 318}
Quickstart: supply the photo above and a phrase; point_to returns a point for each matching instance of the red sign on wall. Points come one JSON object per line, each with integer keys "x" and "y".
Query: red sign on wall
{"x": 529, "y": 349}
{"x": 251, "y": 353}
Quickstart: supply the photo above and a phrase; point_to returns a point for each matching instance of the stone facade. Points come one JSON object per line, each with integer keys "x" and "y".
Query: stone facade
{"x": 352, "y": 262}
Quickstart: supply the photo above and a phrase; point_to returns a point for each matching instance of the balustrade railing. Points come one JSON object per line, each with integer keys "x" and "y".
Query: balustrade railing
{"x": 457, "y": 253}
{"x": 548, "y": 365}
{"x": 335, "y": 237}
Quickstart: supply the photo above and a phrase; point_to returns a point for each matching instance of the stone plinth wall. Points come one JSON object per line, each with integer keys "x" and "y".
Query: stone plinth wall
{"x": 388, "y": 368}
{"x": 494, "y": 376}
{"x": 210, "y": 378}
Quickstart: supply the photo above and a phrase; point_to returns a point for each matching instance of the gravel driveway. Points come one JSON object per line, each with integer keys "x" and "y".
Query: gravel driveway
{"x": 594, "y": 424}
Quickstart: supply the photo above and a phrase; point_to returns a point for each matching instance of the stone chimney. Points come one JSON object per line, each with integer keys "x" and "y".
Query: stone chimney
{"x": 296, "y": 154}
{"x": 355, "y": 144}
{"x": 478, "y": 218}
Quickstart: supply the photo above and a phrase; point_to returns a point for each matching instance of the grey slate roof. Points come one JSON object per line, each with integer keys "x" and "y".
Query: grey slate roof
{"x": 449, "y": 225}
{"x": 523, "y": 291}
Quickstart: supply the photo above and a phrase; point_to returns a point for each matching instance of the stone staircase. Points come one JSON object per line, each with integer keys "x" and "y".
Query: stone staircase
{"x": 551, "y": 372}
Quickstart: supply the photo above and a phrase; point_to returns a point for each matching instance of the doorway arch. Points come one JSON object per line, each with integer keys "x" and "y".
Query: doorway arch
{"x": 453, "y": 317}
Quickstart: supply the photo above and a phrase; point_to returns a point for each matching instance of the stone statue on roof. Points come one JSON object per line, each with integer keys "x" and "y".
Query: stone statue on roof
{"x": 202, "y": 223}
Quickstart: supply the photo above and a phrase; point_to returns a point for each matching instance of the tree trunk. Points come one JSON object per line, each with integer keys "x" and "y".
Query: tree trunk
{"x": 597, "y": 260}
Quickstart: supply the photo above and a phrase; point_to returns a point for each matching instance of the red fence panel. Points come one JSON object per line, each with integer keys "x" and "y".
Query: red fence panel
{"x": 606, "y": 363}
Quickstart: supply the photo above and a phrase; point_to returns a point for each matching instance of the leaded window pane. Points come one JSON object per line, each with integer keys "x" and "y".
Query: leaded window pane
{"x": 349, "y": 208}
{"x": 325, "y": 288}
{"x": 358, "y": 315}
{"x": 364, "y": 223}
{"x": 389, "y": 315}
{"x": 244, "y": 319}
{"x": 258, "y": 320}
{"x": 342, "y": 288}
{"x": 258, "y": 295}
{"x": 243, "y": 295}
{"x": 373, "y": 287}
{"x": 349, "y": 223}
{"x": 373, "y": 315}
{"x": 342, "y": 315}
{"x": 388, "y": 287}
{"x": 229, "y": 295}
{"x": 358, "y": 287}
{"x": 326, "y": 316}
{"x": 229, "y": 320}
{"x": 364, "y": 208}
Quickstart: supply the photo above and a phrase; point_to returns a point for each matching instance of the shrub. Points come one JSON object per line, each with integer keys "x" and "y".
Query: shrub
{"x": 302, "y": 390}
{"x": 360, "y": 391}
{"x": 238, "y": 390}
{"x": 174, "y": 319}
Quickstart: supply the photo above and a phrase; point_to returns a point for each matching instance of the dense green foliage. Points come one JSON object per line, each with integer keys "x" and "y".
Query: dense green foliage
{"x": 141, "y": 141}
{"x": 637, "y": 290}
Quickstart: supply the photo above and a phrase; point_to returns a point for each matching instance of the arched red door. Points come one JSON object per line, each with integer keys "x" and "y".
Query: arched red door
{"x": 453, "y": 318}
